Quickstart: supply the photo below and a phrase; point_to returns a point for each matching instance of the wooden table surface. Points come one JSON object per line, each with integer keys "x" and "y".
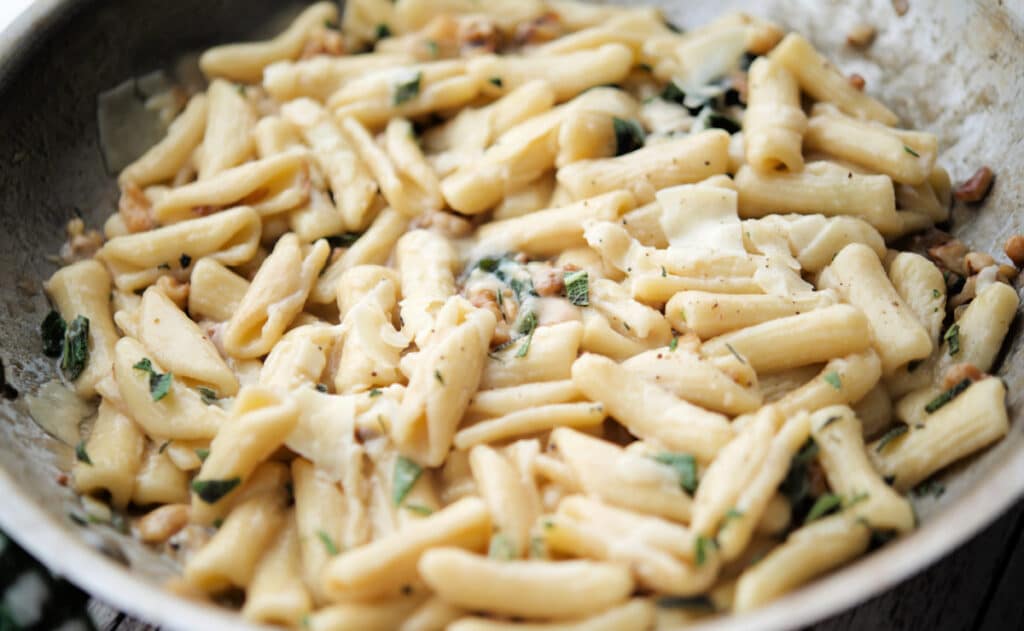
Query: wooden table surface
{"x": 976, "y": 588}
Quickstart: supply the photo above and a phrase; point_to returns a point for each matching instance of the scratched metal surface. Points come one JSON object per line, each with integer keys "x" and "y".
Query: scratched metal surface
{"x": 948, "y": 66}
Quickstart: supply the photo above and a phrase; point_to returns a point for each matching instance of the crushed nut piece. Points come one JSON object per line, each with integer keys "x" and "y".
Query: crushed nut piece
{"x": 1014, "y": 249}
{"x": 549, "y": 282}
{"x": 135, "y": 207}
{"x": 81, "y": 243}
{"x": 539, "y": 30}
{"x": 901, "y": 7}
{"x": 479, "y": 35}
{"x": 950, "y": 255}
{"x": 958, "y": 372}
{"x": 861, "y": 36}
{"x": 977, "y": 261}
{"x": 857, "y": 81}
{"x": 977, "y": 187}
{"x": 966, "y": 294}
{"x": 175, "y": 290}
{"x": 1007, "y": 274}
{"x": 162, "y": 523}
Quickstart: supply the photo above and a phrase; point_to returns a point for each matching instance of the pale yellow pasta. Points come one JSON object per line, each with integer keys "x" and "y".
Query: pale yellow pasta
{"x": 245, "y": 62}
{"x": 261, "y": 420}
{"x": 822, "y": 187}
{"x": 552, "y": 351}
{"x": 699, "y": 381}
{"x": 501, "y": 401}
{"x": 112, "y": 457}
{"x": 321, "y": 76}
{"x": 299, "y": 357}
{"x": 530, "y": 589}
{"x": 645, "y": 171}
{"x": 908, "y": 157}
{"x": 320, "y": 518}
{"x": 621, "y": 478}
{"x": 810, "y": 551}
{"x": 875, "y": 411}
{"x": 163, "y": 161}
{"x": 843, "y": 380}
{"x": 270, "y": 185}
{"x": 334, "y": 153}
{"x": 372, "y": 248}
{"x": 426, "y": 262}
{"x": 378, "y": 615}
{"x": 770, "y": 346}
{"x": 158, "y": 481}
{"x": 214, "y": 291}
{"x": 433, "y": 615}
{"x": 230, "y": 123}
{"x": 230, "y": 237}
{"x": 83, "y": 290}
{"x": 774, "y": 125}
{"x": 413, "y": 14}
{"x": 839, "y": 437}
{"x": 568, "y": 74}
{"x": 275, "y": 296}
{"x": 629, "y": 27}
{"x": 981, "y": 328}
{"x": 648, "y": 411}
{"x": 530, "y": 421}
{"x": 382, "y": 567}
{"x": 821, "y": 80}
{"x": 921, "y": 288}
{"x": 276, "y": 594}
{"x": 813, "y": 240}
{"x": 709, "y": 314}
{"x": 512, "y": 506}
{"x": 969, "y": 422}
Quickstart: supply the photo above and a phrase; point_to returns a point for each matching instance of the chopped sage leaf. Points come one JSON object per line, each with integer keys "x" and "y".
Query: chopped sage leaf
{"x": 437, "y": 375}
{"x": 81, "y": 454}
{"x": 163, "y": 447}
{"x": 929, "y": 487}
{"x": 159, "y": 385}
{"x": 629, "y": 135}
{"x": 527, "y": 325}
{"x": 674, "y": 344}
{"x": 898, "y": 430}
{"x": 824, "y": 505}
{"x": 732, "y": 513}
{"x": 501, "y": 548}
{"x": 936, "y": 293}
{"x": 685, "y": 602}
{"x": 52, "y": 330}
{"x": 732, "y": 350}
{"x": 321, "y": 387}
{"x": 419, "y": 509}
{"x": 343, "y": 240}
{"x": 577, "y": 288}
{"x": 947, "y": 396}
{"x": 673, "y": 94}
{"x": 404, "y": 477}
{"x": 185, "y": 260}
{"x": 329, "y": 545}
{"x": 376, "y": 392}
{"x": 952, "y": 337}
{"x": 685, "y": 466}
{"x": 76, "y": 348}
{"x": 212, "y": 491}
{"x": 538, "y": 548}
{"x": 832, "y": 378}
{"x": 496, "y": 81}
{"x": 383, "y": 31}
{"x": 701, "y": 547}
{"x": 408, "y": 90}
{"x": 208, "y": 395}
{"x": 203, "y": 454}
{"x": 524, "y": 348}
{"x": 911, "y": 151}
{"x": 721, "y": 121}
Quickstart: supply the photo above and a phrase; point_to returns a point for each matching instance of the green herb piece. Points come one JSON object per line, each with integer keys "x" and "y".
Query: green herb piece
{"x": 321, "y": 387}
{"x": 674, "y": 344}
{"x": 527, "y": 326}
{"x": 721, "y": 121}
{"x": 731, "y": 514}
{"x": 185, "y": 260}
{"x": 383, "y": 31}
{"x": 208, "y": 395}
{"x": 929, "y": 487}
{"x": 685, "y": 466}
{"x": 343, "y": 240}
{"x": 163, "y": 447}
{"x": 952, "y": 337}
{"x": 547, "y": 524}
{"x": 437, "y": 375}
{"x": 496, "y": 81}
{"x": 829, "y": 421}
{"x": 329, "y": 545}
{"x": 701, "y": 547}
{"x": 629, "y": 135}
{"x": 376, "y": 392}
{"x": 664, "y": 272}
{"x": 524, "y": 348}
{"x": 673, "y": 94}
{"x": 81, "y": 454}
{"x": 488, "y": 264}
{"x": 404, "y": 477}
{"x": 795, "y": 486}
{"x": 911, "y": 151}
{"x": 856, "y": 499}
{"x": 936, "y": 293}
{"x": 685, "y": 602}
{"x": 626, "y": 324}
{"x": 832, "y": 378}
{"x": 824, "y": 505}
{"x": 212, "y": 491}
{"x": 306, "y": 621}
{"x": 52, "y": 330}
{"x": 432, "y": 47}
{"x": 898, "y": 430}
{"x": 76, "y": 348}
{"x": 408, "y": 90}
{"x": 732, "y": 350}
{"x": 577, "y": 288}
{"x": 159, "y": 385}
{"x": 419, "y": 509}
{"x": 501, "y": 548}
{"x": 538, "y": 548}
{"x": 947, "y": 396}
{"x": 203, "y": 454}
{"x": 808, "y": 452}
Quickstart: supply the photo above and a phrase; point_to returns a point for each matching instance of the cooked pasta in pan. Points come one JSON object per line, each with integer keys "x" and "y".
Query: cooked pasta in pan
{"x": 525, "y": 315}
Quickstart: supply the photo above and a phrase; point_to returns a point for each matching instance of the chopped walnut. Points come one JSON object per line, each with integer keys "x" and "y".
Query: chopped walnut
{"x": 174, "y": 289}
{"x": 324, "y": 41}
{"x": 958, "y": 372}
{"x": 901, "y": 7}
{"x": 966, "y": 294}
{"x": 857, "y": 81}
{"x": 81, "y": 243}
{"x": 950, "y": 255}
{"x": 135, "y": 208}
{"x": 162, "y": 523}
{"x": 861, "y": 36}
{"x": 485, "y": 299}
{"x": 479, "y": 35}
{"x": 539, "y": 30}
{"x": 977, "y": 261}
{"x": 977, "y": 187}
{"x": 1007, "y": 274}
{"x": 549, "y": 282}
{"x": 1014, "y": 249}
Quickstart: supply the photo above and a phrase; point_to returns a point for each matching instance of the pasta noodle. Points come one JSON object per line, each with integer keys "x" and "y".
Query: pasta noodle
{"x": 523, "y": 315}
